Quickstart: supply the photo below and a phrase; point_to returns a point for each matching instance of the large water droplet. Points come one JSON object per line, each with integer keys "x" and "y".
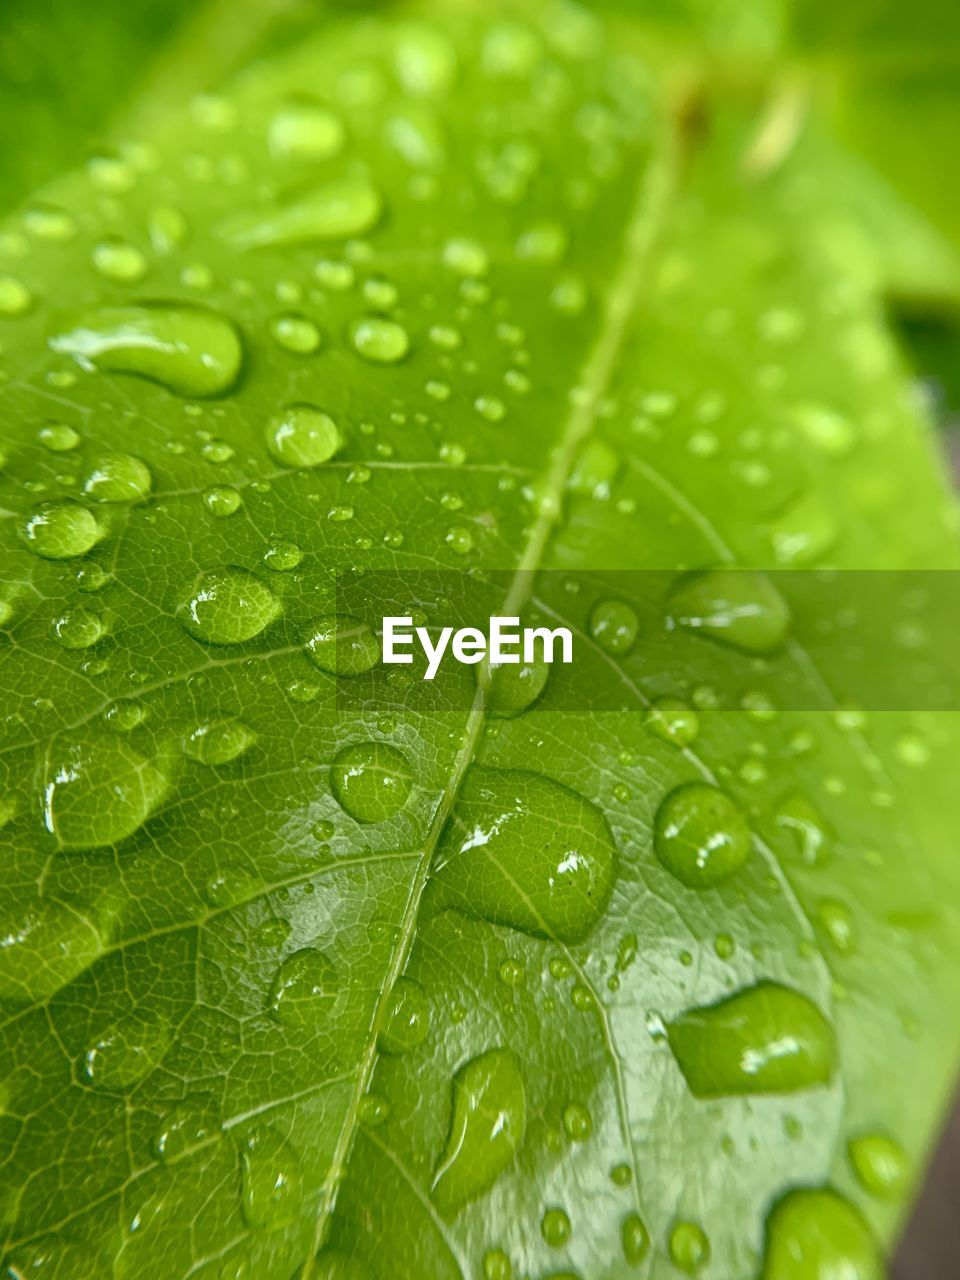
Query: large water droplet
{"x": 304, "y": 989}
{"x": 555, "y": 1227}
{"x": 98, "y": 792}
{"x": 218, "y": 741}
{"x": 272, "y": 1179}
{"x": 303, "y": 436}
{"x": 228, "y": 606}
{"x": 337, "y": 211}
{"x": 190, "y": 350}
{"x": 486, "y": 1128}
{"x": 127, "y": 1051}
{"x": 635, "y": 1239}
{"x": 78, "y": 628}
{"x": 61, "y": 531}
{"x": 765, "y": 1039}
{"x": 408, "y": 1018}
{"x": 343, "y": 645}
{"x": 524, "y": 851}
{"x": 740, "y": 607}
{"x": 880, "y": 1165}
{"x": 118, "y": 477}
{"x": 371, "y": 780}
{"x": 814, "y": 1234}
{"x": 43, "y": 947}
{"x": 700, "y": 835}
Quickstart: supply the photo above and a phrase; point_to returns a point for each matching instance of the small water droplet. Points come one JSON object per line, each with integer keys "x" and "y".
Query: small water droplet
{"x": 487, "y": 1125}
{"x": 304, "y": 989}
{"x": 635, "y": 1239}
{"x": 515, "y": 687}
{"x": 78, "y": 628}
{"x": 218, "y": 742}
{"x": 119, "y": 261}
{"x": 467, "y": 258}
{"x": 689, "y": 1247}
{"x": 459, "y": 540}
{"x": 62, "y": 531}
{"x": 380, "y": 341}
{"x": 880, "y": 1165}
{"x": 371, "y": 780}
{"x": 303, "y": 436}
{"x": 764, "y": 1039}
{"x": 190, "y": 1124}
{"x": 343, "y": 645}
{"x": 15, "y": 298}
{"x": 58, "y": 437}
{"x": 127, "y": 1051}
{"x": 306, "y": 130}
{"x": 296, "y": 334}
{"x": 673, "y": 721}
{"x": 555, "y": 1227}
{"x": 118, "y": 477}
{"x": 221, "y": 500}
{"x": 614, "y": 626}
{"x": 577, "y": 1122}
{"x": 282, "y": 557}
{"x": 700, "y": 835}
{"x": 272, "y": 1179}
{"x": 408, "y": 1018}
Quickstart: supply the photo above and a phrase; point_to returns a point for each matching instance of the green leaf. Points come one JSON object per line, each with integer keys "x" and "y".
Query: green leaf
{"x": 307, "y": 969}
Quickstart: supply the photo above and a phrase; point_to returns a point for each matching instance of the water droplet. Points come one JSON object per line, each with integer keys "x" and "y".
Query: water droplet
{"x": 806, "y": 825}
{"x": 545, "y": 243}
{"x": 371, "y": 780}
{"x": 47, "y": 222}
{"x": 814, "y": 1234}
{"x": 15, "y": 298}
{"x": 486, "y": 1128}
{"x": 635, "y": 1239}
{"x": 304, "y": 989}
{"x": 127, "y": 1051}
{"x": 515, "y": 687}
{"x": 577, "y": 1122}
{"x": 43, "y": 948}
{"x": 689, "y": 1247}
{"x": 466, "y": 257}
{"x": 380, "y": 341}
{"x": 336, "y": 211}
{"x": 303, "y": 436}
{"x": 595, "y": 471}
{"x": 511, "y": 829}
{"x": 827, "y": 430}
{"x": 459, "y": 540}
{"x": 221, "y": 500}
{"x": 98, "y": 792}
{"x": 119, "y": 261}
{"x": 764, "y": 1039}
{"x": 118, "y": 477}
{"x": 804, "y": 533}
{"x": 190, "y": 1124}
{"x": 614, "y": 626}
{"x": 425, "y": 60}
{"x": 218, "y": 741}
{"x": 191, "y": 351}
{"x": 58, "y": 437}
{"x": 735, "y": 605}
{"x": 836, "y": 920}
{"x": 305, "y": 130}
{"x": 497, "y": 1266}
{"x": 880, "y": 1165}
{"x": 700, "y": 835}
{"x": 555, "y": 1227}
{"x": 673, "y": 721}
{"x": 228, "y": 606}
{"x": 296, "y": 334}
{"x": 408, "y": 1018}
{"x": 343, "y": 645}
{"x": 272, "y": 1179}
{"x": 78, "y": 628}
{"x": 282, "y": 557}
{"x": 61, "y": 531}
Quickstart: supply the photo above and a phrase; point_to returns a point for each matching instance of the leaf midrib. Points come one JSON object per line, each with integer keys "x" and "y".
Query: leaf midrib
{"x": 653, "y": 195}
